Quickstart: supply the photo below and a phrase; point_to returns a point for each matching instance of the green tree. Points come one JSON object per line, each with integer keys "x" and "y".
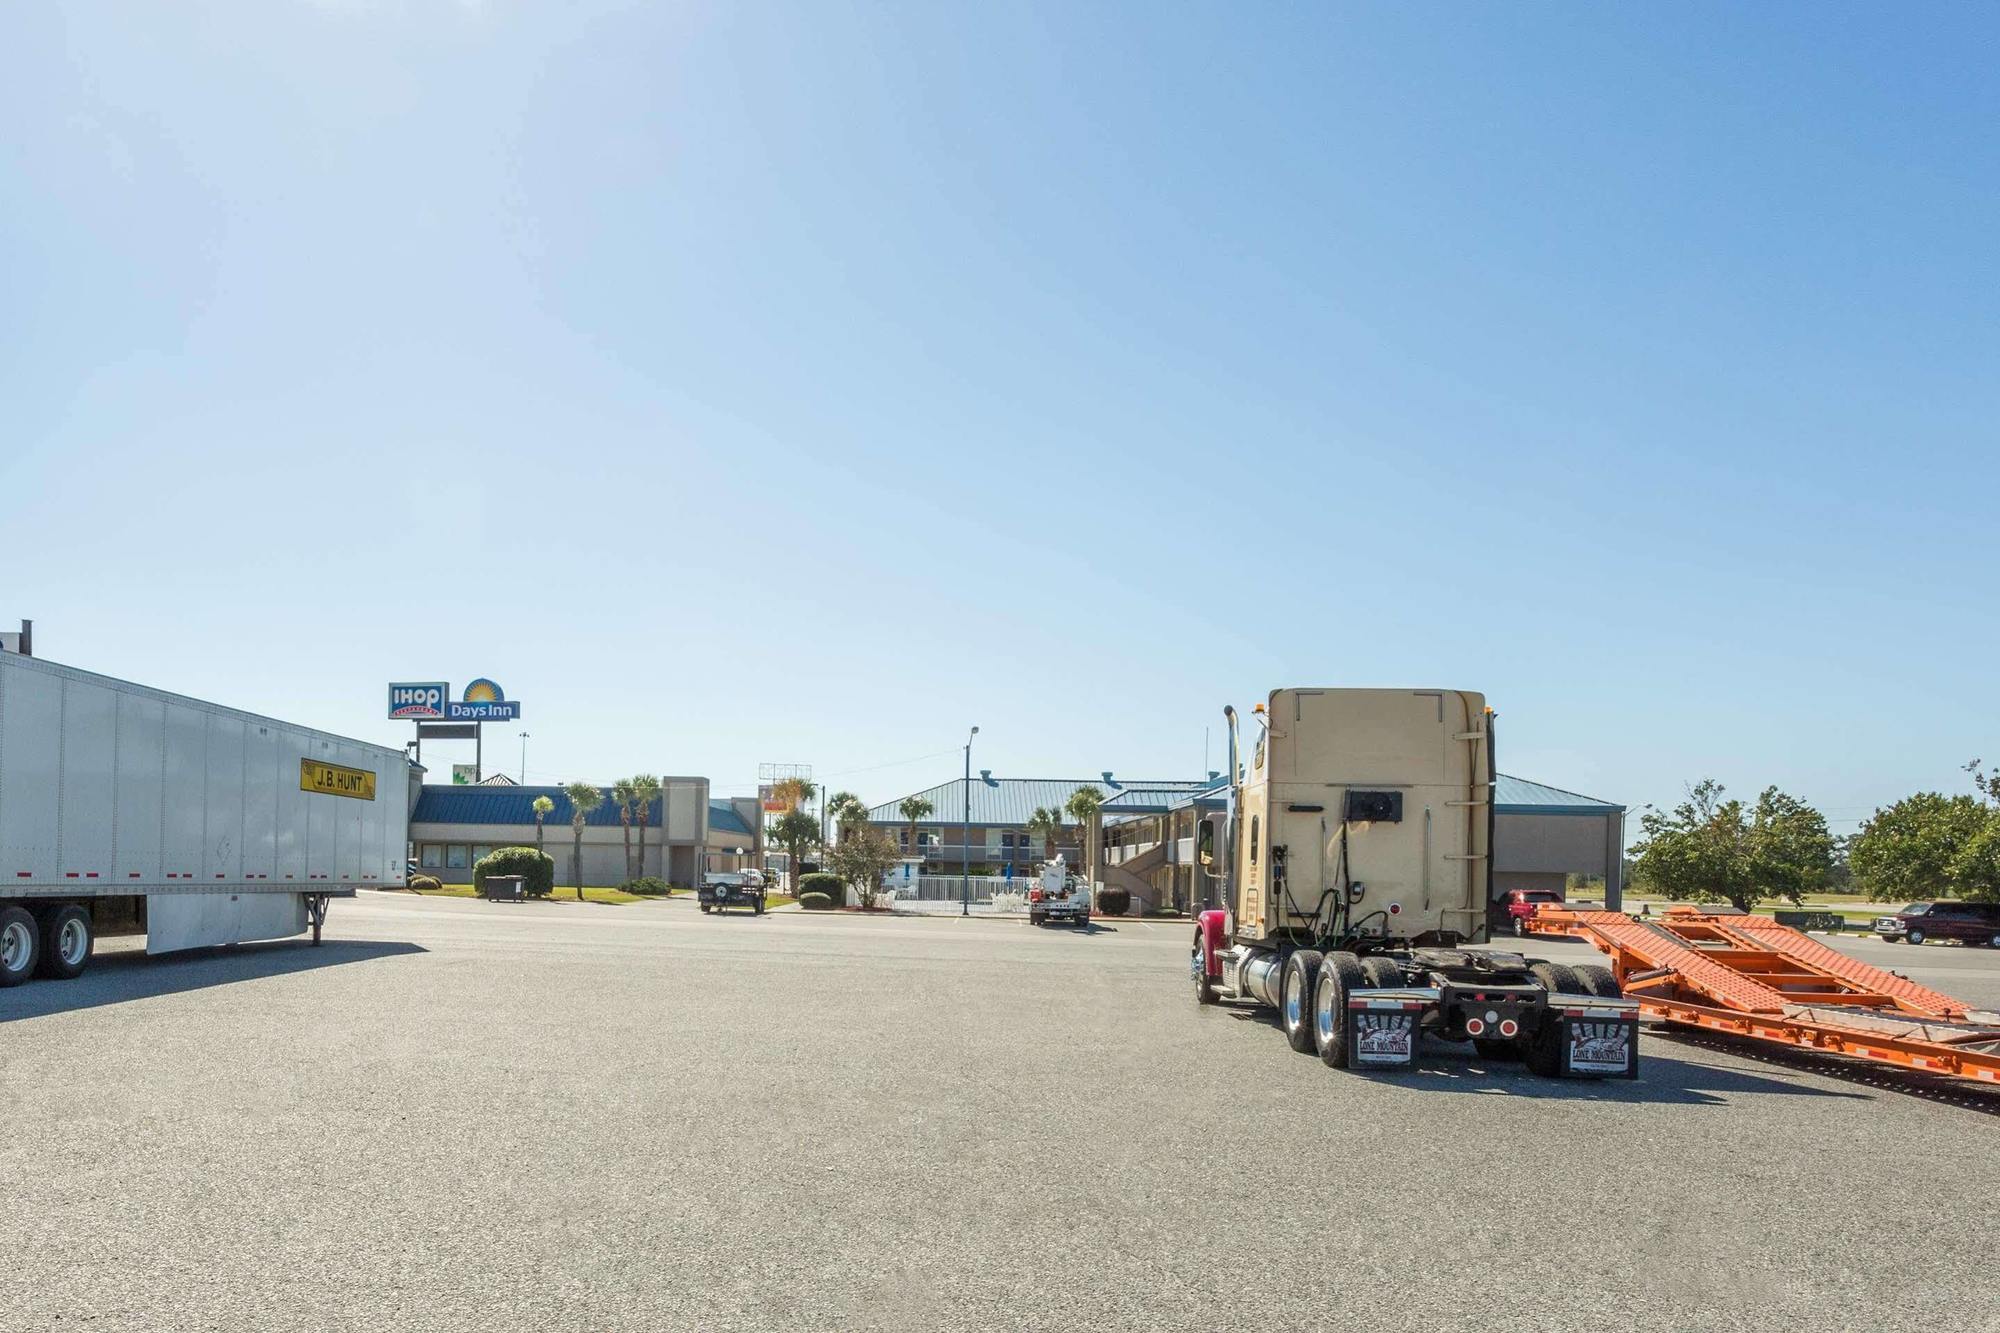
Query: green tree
{"x": 1045, "y": 823}
{"x": 1912, "y": 849}
{"x": 915, "y": 809}
{"x": 584, "y": 797}
{"x": 541, "y": 805}
{"x": 846, "y": 812}
{"x": 795, "y": 831}
{"x": 1711, "y": 848}
{"x": 861, "y": 857}
{"x": 1083, "y": 806}
{"x": 621, "y": 792}
{"x": 794, "y": 792}
{"x": 645, "y": 790}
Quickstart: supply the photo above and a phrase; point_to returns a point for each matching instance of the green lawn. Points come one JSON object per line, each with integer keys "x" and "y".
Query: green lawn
{"x": 562, "y": 894}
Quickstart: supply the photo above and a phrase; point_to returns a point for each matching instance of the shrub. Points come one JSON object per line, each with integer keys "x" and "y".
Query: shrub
{"x": 651, "y": 886}
{"x": 825, "y": 883}
{"x": 816, "y": 902}
{"x": 424, "y": 882}
{"x": 539, "y": 868}
{"x": 1114, "y": 902}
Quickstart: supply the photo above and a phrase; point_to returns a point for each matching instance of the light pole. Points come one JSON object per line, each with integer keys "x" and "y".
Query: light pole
{"x": 965, "y": 834}
{"x": 524, "y": 759}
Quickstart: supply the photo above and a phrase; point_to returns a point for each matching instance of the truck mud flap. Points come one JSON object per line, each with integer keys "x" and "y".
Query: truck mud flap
{"x": 1382, "y": 1031}
{"x": 1598, "y": 1040}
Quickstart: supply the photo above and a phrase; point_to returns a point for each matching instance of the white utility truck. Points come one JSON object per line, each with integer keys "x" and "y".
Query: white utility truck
{"x": 1058, "y": 896}
{"x": 126, "y": 809}
{"x": 1357, "y": 851}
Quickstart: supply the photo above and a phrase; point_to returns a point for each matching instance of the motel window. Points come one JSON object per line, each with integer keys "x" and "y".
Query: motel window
{"x": 454, "y": 856}
{"x": 480, "y": 853}
{"x": 432, "y": 855}
{"x": 1007, "y": 839}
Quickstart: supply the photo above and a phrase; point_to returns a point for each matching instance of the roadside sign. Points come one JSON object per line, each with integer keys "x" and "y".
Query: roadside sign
{"x": 418, "y": 699}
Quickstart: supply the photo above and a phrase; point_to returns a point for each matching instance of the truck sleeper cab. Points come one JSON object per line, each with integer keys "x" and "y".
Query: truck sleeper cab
{"x": 1358, "y": 847}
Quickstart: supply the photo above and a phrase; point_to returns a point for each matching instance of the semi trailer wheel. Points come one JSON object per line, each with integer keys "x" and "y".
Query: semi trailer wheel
{"x": 1382, "y": 973}
{"x": 1598, "y": 981}
{"x": 1295, "y": 998}
{"x": 20, "y": 942}
{"x": 1339, "y": 974}
{"x": 67, "y": 941}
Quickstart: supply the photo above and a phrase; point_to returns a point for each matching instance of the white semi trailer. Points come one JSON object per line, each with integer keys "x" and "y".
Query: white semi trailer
{"x": 1357, "y": 854}
{"x": 124, "y": 808}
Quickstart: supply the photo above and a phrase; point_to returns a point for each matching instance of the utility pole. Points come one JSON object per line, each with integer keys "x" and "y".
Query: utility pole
{"x": 965, "y": 835}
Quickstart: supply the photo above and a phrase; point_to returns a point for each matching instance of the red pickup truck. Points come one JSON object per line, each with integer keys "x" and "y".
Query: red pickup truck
{"x": 1520, "y": 904}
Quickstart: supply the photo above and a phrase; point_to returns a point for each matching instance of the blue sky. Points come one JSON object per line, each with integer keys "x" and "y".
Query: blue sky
{"x": 805, "y": 383}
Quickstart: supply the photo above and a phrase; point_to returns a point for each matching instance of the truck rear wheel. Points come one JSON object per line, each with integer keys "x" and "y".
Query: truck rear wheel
{"x": 1557, "y": 978}
{"x": 1295, "y": 998}
{"x": 20, "y": 942}
{"x": 1339, "y": 974}
{"x": 1598, "y": 981}
{"x": 67, "y": 941}
{"x": 1382, "y": 973}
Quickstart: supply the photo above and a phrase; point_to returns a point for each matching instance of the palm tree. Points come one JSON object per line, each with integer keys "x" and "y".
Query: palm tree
{"x": 621, "y": 792}
{"x": 794, "y": 792}
{"x": 915, "y": 808}
{"x": 646, "y": 790}
{"x": 541, "y": 805}
{"x": 1045, "y": 823}
{"x": 1084, "y": 803}
{"x": 583, "y": 798}
{"x": 844, "y": 809}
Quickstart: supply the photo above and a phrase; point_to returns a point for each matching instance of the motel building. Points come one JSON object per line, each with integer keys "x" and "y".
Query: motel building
{"x": 688, "y": 832}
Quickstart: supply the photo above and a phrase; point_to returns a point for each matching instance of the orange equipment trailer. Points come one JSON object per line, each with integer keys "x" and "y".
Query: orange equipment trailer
{"x": 1751, "y": 977}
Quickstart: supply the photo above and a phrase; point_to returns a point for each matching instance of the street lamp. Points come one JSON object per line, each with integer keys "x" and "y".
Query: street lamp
{"x": 524, "y": 759}
{"x": 965, "y": 834}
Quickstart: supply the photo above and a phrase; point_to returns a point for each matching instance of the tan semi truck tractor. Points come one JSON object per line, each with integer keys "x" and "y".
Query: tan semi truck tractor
{"x": 1357, "y": 854}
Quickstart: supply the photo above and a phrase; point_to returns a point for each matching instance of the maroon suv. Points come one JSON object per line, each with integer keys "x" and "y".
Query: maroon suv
{"x": 1973, "y": 923}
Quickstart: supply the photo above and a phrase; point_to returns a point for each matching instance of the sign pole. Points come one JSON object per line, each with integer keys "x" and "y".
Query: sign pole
{"x": 478, "y": 751}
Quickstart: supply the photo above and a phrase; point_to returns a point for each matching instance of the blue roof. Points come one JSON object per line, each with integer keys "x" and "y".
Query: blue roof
{"x": 724, "y": 818}
{"x": 1007, "y": 802}
{"x": 451, "y": 804}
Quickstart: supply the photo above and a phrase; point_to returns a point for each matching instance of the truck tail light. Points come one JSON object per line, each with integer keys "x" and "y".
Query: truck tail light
{"x": 1509, "y": 1028}
{"x": 1475, "y": 1026}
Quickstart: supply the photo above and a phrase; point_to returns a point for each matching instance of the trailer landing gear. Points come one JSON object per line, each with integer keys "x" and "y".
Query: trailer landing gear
{"x": 316, "y": 913}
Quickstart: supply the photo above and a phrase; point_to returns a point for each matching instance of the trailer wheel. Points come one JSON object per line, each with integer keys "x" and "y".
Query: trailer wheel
{"x": 1339, "y": 973}
{"x": 1295, "y": 998}
{"x": 19, "y": 944}
{"x": 1382, "y": 973}
{"x": 67, "y": 941}
{"x": 1557, "y": 978}
{"x": 1598, "y": 981}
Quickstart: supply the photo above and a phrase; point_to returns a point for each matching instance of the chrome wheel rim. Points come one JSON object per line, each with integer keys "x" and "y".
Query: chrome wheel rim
{"x": 17, "y": 942}
{"x": 1323, "y": 1013}
{"x": 1291, "y": 1000}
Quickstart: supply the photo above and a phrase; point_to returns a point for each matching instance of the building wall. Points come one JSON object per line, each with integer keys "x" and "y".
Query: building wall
{"x": 603, "y": 851}
{"x": 1551, "y": 847}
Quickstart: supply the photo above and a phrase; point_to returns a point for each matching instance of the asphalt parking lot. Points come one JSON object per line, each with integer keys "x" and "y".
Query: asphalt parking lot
{"x": 458, "y": 1115}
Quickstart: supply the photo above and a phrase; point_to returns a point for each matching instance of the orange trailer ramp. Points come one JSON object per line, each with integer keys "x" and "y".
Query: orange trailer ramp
{"x": 1751, "y": 977}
